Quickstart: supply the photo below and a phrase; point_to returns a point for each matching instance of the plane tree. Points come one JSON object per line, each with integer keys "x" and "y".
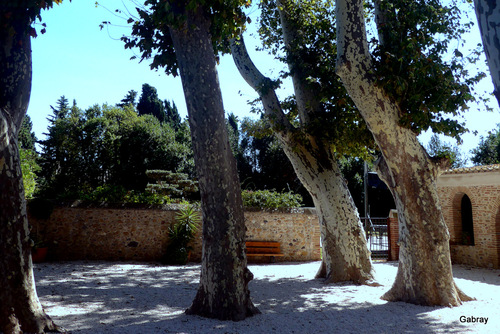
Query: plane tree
{"x": 488, "y": 17}
{"x": 402, "y": 85}
{"x": 20, "y": 309}
{"x": 184, "y": 38}
{"x": 316, "y": 127}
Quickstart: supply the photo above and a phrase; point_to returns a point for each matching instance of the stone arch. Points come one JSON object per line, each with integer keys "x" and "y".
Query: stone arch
{"x": 458, "y": 235}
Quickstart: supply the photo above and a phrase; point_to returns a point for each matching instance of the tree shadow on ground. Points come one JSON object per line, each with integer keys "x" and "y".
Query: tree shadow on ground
{"x": 99, "y": 297}
{"x": 477, "y": 274}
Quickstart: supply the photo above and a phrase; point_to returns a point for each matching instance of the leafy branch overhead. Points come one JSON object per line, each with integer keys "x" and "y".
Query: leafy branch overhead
{"x": 154, "y": 19}
{"x": 418, "y": 66}
{"x": 23, "y": 14}
{"x": 321, "y": 107}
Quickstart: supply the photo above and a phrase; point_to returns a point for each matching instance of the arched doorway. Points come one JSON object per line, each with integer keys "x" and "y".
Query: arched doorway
{"x": 467, "y": 221}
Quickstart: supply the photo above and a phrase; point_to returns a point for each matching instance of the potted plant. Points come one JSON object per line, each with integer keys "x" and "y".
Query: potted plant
{"x": 181, "y": 233}
{"x": 39, "y": 249}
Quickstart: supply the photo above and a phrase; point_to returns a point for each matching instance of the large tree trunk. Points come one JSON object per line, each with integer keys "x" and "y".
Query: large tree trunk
{"x": 488, "y": 17}
{"x": 345, "y": 254}
{"x": 20, "y": 309}
{"x": 223, "y": 292}
{"x": 425, "y": 274}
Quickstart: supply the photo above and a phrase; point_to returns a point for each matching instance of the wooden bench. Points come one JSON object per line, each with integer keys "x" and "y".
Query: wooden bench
{"x": 269, "y": 249}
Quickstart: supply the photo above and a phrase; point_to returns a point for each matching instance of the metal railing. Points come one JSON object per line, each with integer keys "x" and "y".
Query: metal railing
{"x": 377, "y": 236}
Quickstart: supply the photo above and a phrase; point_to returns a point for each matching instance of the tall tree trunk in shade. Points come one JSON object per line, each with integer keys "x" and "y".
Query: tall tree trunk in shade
{"x": 20, "y": 309}
{"x": 223, "y": 291}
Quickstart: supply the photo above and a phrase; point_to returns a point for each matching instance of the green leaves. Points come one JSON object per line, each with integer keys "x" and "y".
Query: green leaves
{"x": 266, "y": 199}
{"x": 151, "y": 34}
{"x": 312, "y": 53}
{"x": 418, "y": 70}
{"x": 107, "y": 145}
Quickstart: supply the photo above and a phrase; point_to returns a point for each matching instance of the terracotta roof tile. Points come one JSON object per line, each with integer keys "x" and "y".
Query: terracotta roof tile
{"x": 475, "y": 169}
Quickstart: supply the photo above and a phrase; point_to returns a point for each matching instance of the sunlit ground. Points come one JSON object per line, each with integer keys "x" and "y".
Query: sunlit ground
{"x": 107, "y": 297}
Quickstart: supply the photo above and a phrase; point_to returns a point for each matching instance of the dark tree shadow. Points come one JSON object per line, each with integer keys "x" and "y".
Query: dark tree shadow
{"x": 98, "y": 297}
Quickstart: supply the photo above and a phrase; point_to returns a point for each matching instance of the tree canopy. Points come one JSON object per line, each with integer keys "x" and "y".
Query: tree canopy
{"x": 421, "y": 62}
{"x": 107, "y": 145}
{"x": 488, "y": 150}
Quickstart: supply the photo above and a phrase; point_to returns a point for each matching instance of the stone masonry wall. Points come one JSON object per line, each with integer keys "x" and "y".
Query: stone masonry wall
{"x": 125, "y": 234}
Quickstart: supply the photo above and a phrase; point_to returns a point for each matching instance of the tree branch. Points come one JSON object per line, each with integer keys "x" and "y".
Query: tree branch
{"x": 261, "y": 84}
{"x": 352, "y": 44}
{"x": 305, "y": 96}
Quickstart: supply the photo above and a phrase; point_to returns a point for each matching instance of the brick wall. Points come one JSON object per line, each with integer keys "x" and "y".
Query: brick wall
{"x": 125, "y": 234}
{"x": 485, "y": 210}
{"x": 482, "y": 186}
{"x": 393, "y": 234}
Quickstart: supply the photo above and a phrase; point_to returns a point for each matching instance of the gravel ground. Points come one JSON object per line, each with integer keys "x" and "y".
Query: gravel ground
{"x": 126, "y": 298}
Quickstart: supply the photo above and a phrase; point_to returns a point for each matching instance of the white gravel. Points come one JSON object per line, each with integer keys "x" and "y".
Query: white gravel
{"x": 126, "y": 298}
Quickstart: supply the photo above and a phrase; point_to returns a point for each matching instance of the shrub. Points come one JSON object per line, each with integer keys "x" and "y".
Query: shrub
{"x": 118, "y": 194}
{"x": 181, "y": 233}
{"x": 266, "y": 199}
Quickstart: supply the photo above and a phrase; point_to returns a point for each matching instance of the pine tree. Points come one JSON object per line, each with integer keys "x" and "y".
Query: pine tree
{"x": 172, "y": 115}
{"x": 150, "y": 103}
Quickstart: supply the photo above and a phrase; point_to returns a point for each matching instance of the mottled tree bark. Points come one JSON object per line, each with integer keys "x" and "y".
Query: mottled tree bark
{"x": 20, "y": 309}
{"x": 223, "y": 291}
{"x": 345, "y": 253}
{"x": 424, "y": 274}
{"x": 488, "y": 17}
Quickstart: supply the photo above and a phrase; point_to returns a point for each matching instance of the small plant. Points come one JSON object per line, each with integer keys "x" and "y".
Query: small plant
{"x": 36, "y": 241}
{"x": 181, "y": 233}
{"x": 266, "y": 199}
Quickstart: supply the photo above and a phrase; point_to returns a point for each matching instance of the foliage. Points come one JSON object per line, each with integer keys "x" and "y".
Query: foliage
{"x": 151, "y": 34}
{"x": 150, "y": 103}
{"x": 26, "y": 136}
{"x": 118, "y": 194}
{"x": 28, "y": 156}
{"x": 312, "y": 56}
{"x": 488, "y": 150}
{"x": 23, "y": 14}
{"x": 172, "y": 116}
{"x": 266, "y": 199}
{"x": 129, "y": 99}
{"x": 29, "y": 168}
{"x": 181, "y": 233}
{"x": 438, "y": 149}
{"x": 262, "y": 163}
{"x": 106, "y": 145}
{"x": 419, "y": 67}
{"x": 174, "y": 185}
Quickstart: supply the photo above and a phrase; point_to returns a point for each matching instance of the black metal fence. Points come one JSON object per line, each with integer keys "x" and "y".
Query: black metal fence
{"x": 377, "y": 236}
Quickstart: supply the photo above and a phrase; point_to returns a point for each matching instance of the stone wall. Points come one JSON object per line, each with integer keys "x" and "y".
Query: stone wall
{"x": 129, "y": 234}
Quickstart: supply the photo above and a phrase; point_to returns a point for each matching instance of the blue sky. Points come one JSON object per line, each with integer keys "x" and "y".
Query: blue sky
{"x": 76, "y": 59}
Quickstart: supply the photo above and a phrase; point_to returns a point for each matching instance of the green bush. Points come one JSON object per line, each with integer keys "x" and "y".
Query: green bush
{"x": 118, "y": 194}
{"x": 266, "y": 199}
